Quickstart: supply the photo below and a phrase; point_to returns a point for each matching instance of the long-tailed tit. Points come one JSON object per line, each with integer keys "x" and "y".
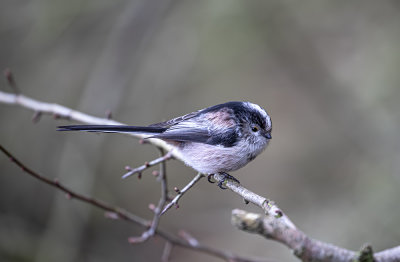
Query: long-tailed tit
{"x": 217, "y": 139}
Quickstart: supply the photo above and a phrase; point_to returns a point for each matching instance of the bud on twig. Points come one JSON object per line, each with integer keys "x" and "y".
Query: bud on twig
{"x": 11, "y": 81}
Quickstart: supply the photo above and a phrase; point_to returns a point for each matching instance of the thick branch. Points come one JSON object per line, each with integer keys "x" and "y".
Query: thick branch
{"x": 269, "y": 207}
{"x": 304, "y": 247}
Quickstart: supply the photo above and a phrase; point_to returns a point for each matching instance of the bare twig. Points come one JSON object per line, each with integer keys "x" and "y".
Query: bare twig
{"x": 147, "y": 165}
{"x": 188, "y": 237}
{"x": 120, "y": 213}
{"x": 11, "y": 80}
{"x": 62, "y": 112}
{"x": 109, "y": 114}
{"x": 157, "y": 211}
{"x": 36, "y": 117}
{"x": 166, "y": 252}
{"x": 174, "y": 201}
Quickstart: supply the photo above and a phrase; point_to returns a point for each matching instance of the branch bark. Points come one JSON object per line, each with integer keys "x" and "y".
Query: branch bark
{"x": 304, "y": 247}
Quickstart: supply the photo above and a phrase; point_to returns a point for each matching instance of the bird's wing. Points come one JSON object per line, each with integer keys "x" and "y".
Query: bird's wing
{"x": 206, "y": 129}
{"x": 186, "y": 130}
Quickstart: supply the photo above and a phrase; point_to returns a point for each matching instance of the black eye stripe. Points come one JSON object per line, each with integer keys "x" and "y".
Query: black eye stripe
{"x": 242, "y": 113}
{"x": 258, "y": 119}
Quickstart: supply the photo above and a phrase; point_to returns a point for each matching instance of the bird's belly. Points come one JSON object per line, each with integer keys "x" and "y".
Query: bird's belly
{"x": 211, "y": 159}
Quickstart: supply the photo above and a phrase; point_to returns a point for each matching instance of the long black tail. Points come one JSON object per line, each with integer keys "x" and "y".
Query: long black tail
{"x": 114, "y": 129}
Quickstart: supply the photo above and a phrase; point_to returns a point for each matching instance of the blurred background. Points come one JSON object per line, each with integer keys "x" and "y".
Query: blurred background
{"x": 326, "y": 71}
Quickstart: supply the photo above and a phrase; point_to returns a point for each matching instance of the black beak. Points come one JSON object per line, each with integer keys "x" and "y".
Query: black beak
{"x": 268, "y": 135}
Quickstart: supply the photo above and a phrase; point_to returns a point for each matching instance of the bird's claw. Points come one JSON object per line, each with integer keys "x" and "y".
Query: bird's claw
{"x": 209, "y": 177}
{"x": 225, "y": 178}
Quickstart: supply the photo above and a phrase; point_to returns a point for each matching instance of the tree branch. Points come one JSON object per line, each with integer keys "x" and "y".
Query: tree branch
{"x": 147, "y": 165}
{"x": 11, "y": 80}
{"x": 304, "y": 247}
{"x": 157, "y": 210}
{"x": 63, "y": 112}
{"x": 174, "y": 201}
{"x": 166, "y": 252}
{"x": 269, "y": 207}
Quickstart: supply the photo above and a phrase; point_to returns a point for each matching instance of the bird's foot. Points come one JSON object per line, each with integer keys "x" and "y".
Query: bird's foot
{"x": 224, "y": 179}
{"x": 209, "y": 177}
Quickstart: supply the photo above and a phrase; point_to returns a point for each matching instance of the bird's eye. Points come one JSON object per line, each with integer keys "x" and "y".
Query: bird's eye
{"x": 254, "y": 128}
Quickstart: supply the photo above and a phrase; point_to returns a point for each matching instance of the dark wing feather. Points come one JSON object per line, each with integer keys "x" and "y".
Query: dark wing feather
{"x": 194, "y": 135}
{"x": 113, "y": 129}
{"x": 203, "y": 126}
{"x": 186, "y": 130}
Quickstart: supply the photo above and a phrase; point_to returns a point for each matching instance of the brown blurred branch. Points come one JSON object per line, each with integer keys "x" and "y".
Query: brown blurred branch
{"x": 273, "y": 225}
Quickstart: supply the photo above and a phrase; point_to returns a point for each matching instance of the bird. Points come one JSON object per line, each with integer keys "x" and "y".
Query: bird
{"x": 214, "y": 140}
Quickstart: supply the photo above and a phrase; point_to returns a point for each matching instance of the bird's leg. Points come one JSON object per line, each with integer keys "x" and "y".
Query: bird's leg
{"x": 209, "y": 177}
{"x": 226, "y": 177}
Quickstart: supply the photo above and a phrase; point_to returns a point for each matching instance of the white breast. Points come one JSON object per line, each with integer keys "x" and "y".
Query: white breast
{"x": 211, "y": 159}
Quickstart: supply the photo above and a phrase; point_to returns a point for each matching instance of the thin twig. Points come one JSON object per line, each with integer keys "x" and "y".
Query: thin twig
{"x": 121, "y": 213}
{"x": 167, "y": 252}
{"x": 117, "y": 212}
{"x": 163, "y": 199}
{"x": 11, "y": 81}
{"x": 147, "y": 165}
{"x": 174, "y": 201}
{"x": 188, "y": 237}
{"x": 62, "y": 112}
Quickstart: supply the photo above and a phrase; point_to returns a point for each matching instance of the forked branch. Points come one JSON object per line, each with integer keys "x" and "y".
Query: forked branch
{"x": 120, "y": 213}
